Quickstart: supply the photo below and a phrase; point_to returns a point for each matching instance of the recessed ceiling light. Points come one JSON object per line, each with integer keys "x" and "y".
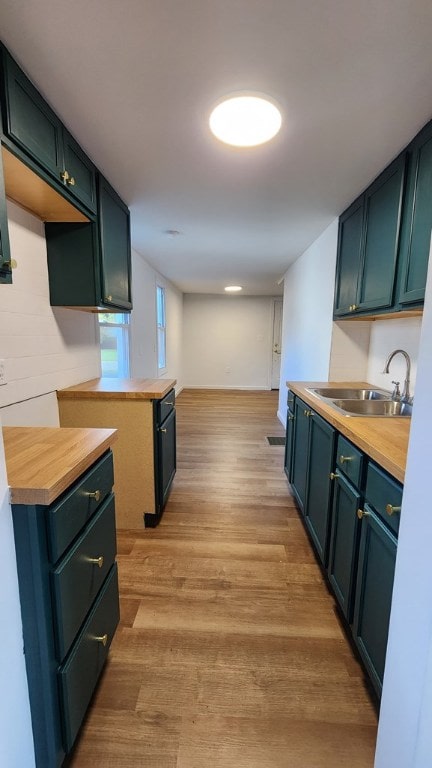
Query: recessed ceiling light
{"x": 245, "y": 121}
{"x": 172, "y": 232}
{"x": 233, "y": 288}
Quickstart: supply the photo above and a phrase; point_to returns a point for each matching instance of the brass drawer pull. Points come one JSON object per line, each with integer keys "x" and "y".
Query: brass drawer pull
{"x": 390, "y": 509}
{"x": 333, "y": 475}
{"x": 102, "y": 639}
{"x": 344, "y": 459}
{"x": 167, "y": 403}
{"x": 163, "y": 430}
{"x": 308, "y": 413}
{"x": 94, "y": 495}
{"x": 99, "y": 561}
{"x": 64, "y": 177}
{"x": 71, "y": 181}
{"x": 290, "y": 418}
{"x": 362, "y": 513}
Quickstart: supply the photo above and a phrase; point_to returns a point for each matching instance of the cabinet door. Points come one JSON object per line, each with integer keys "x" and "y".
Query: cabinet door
{"x": 348, "y": 258}
{"x": 114, "y": 227}
{"x": 30, "y": 122}
{"x": 289, "y": 444}
{"x": 383, "y": 203}
{"x": 81, "y": 180}
{"x": 166, "y": 459}
{"x": 321, "y": 456}
{"x": 300, "y": 451}
{"x": 343, "y": 544}
{"x": 417, "y": 220}
{"x": 374, "y": 589}
{"x": 5, "y": 270}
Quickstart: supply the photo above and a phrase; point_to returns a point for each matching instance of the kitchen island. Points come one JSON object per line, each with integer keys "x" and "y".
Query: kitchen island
{"x": 143, "y": 412}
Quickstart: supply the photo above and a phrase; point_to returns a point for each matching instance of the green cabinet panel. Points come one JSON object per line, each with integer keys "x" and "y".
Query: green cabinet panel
{"x": 89, "y": 264}
{"x": 348, "y": 258}
{"x": 417, "y": 220}
{"x": 374, "y": 589}
{"x": 383, "y": 203}
{"x": 114, "y": 232}
{"x": 317, "y": 509}
{"x": 32, "y": 127}
{"x": 289, "y": 443}
{"x": 166, "y": 459}
{"x": 343, "y": 544}
{"x": 5, "y": 256}
{"x": 300, "y": 452}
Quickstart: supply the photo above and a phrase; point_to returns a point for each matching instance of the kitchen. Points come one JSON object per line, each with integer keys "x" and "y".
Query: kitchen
{"x": 64, "y": 349}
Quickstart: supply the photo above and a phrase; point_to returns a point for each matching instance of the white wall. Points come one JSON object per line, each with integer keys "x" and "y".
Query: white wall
{"x": 387, "y": 335}
{"x": 307, "y": 314}
{"x": 44, "y": 348}
{"x": 404, "y": 734}
{"x": 143, "y": 353}
{"x": 227, "y": 341}
{"x": 350, "y": 351}
{"x": 16, "y": 740}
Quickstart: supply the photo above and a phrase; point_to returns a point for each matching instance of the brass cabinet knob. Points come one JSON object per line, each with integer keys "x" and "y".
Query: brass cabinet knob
{"x": 11, "y": 264}
{"x": 354, "y": 307}
{"x": 99, "y": 561}
{"x": 390, "y": 509}
{"x": 308, "y": 413}
{"x": 71, "y": 181}
{"x": 64, "y": 176}
{"x": 102, "y": 639}
{"x": 94, "y": 495}
{"x": 163, "y": 430}
{"x": 344, "y": 459}
{"x": 362, "y": 513}
{"x": 333, "y": 475}
{"x": 108, "y": 298}
{"x": 290, "y": 418}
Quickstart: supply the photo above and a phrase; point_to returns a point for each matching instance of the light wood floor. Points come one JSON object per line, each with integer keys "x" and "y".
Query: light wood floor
{"x": 230, "y": 653}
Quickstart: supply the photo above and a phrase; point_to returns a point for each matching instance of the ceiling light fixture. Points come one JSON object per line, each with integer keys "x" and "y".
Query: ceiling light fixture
{"x": 233, "y": 288}
{"x": 245, "y": 120}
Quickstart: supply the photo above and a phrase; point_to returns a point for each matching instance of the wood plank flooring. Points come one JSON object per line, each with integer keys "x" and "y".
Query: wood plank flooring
{"x": 230, "y": 653}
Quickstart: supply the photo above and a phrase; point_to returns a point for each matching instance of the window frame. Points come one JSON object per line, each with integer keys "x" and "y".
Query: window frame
{"x": 161, "y": 329}
{"x": 122, "y": 324}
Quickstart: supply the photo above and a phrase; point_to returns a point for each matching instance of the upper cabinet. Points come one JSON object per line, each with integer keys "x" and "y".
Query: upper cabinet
{"x": 384, "y": 238}
{"x": 115, "y": 248}
{"x": 32, "y": 127}
{"x": 417, "y": 223}
{"x": 368, "y": 245}
{"x": 5, "y": 259}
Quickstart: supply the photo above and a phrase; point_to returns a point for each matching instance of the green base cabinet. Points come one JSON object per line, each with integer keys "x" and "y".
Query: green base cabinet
{"x": 289, "y": 438}
{"x": 165, "y": 454}
{"x": 68, "y": 587}
{"x": 342, "y": 564}
{"x": 89, "y": 264}
{"x": 374, "y": 589}
{"x": 300, "y": 452}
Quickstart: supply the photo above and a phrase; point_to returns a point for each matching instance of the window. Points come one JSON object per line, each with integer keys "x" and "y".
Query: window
{"x": 114, "y": 343}
{"x": 161, "y": 327}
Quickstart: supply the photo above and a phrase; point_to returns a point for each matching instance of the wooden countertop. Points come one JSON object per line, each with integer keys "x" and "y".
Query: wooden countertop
{"x": 119, "y": 389}
{"x": 42, "y": 462}
{"x": 384, "y": 439}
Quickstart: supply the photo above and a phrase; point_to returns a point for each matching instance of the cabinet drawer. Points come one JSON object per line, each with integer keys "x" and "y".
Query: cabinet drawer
{"x": 80, "y": 575}
{"x": 382, "y": 494}
{"x": 349, "y": 460}
{"x": 80, "y": 673}
{"x": 66, "y": 518}
{"x": 165, "y": 406}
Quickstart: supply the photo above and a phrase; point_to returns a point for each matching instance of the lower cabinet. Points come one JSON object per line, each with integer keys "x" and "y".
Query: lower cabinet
{"x": 69, "y": 603}
{"x": 165, "y": 454}
{"x": 350, "y": 508}
{"x": 312, "y": 461}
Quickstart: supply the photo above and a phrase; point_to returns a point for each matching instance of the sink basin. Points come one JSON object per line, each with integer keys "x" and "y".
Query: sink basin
{"x": 333, "y": 393}
{"x": 373, "y": 407}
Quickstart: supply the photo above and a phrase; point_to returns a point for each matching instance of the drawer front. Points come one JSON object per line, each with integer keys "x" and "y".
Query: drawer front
{"x": 384, "y": 495}
{"x": 80, "y": 575}
{"x": 290, "y": 400}
{"x": 66, "y": 518}
{"x": 79, "y": 675}
{"x": 349, "y": 460}
{"x": 165, "y": 406}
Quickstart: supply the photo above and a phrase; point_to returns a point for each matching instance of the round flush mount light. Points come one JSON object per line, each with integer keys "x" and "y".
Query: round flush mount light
{"x": 233, "y": 288}
{"x": 245, "y": 120}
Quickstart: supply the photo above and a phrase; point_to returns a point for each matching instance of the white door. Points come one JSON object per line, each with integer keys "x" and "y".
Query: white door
{"x": 277, "y": 340}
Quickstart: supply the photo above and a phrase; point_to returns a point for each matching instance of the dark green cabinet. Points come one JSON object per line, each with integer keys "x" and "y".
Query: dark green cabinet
{"x": 165, "y": 453}
{"x": 417, "y": 220}
{"x": 5, "y": 257}
{"x": 312, "y": 460}
{"x": 368, "y": 245}
{"x": 342, "y": 563}
{"x": 377, "y": 557}
{"x": 89, "y": 264}
{"x": 289, "y": 443}
{"x": 33, "y": 128}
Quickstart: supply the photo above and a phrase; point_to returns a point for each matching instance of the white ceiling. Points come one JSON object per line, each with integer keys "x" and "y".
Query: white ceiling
{"x": 135, "y": 80}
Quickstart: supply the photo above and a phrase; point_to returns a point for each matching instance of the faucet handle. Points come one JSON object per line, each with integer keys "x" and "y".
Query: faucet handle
{"x": 396, "y": 392}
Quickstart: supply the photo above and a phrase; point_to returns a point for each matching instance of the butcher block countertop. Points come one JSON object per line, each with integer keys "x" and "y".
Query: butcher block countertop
{"x": 384, "y": 439}
{"x": 42, "y": 462}
{"x": 119, "y": 389}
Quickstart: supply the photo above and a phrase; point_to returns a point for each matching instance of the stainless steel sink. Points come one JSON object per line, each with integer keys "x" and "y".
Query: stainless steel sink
{"x": 373, "y": 407}
{"x": 335, "y": 393}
